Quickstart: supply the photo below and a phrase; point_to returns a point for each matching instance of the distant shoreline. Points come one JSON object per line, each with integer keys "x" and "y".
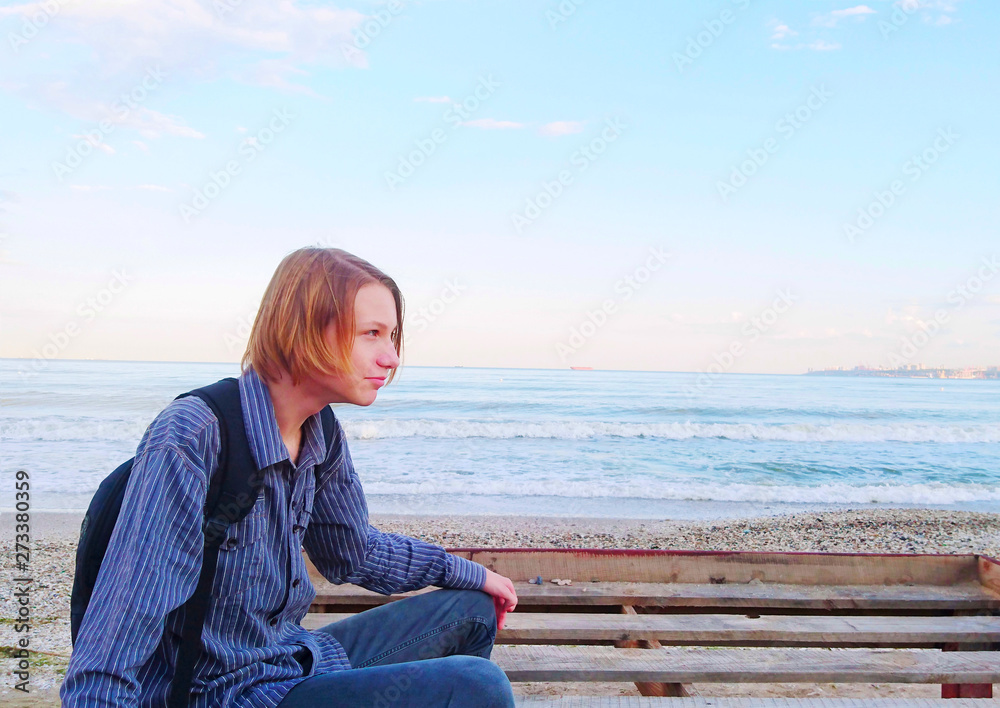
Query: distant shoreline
{"x": 972, "y": 373}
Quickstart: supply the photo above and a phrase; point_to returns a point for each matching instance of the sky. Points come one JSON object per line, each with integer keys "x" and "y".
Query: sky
{"x": 735, "y": 186}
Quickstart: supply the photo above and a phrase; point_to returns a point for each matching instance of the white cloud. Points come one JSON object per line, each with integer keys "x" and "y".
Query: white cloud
{"x": 932, "y": 12}
{"x": 934, "y": 5}
{"x": 432, "y": 99}
{"x": 562, "y": 127}
{"x": 262, "y": 42}
{"x": 108, "y": 188}
{"x": 141, "y": 145}
{"x": 819, "y": 45}
{"x": 780, "y": 31}
{"x": 492, "y": 124}
{"x": 97, "y": 143}
{"x": 147, "y": 122}
{"x": 7, "y": 197}
{"x": 856, "y": 10}
{"x": 833, "y": 18}
{"x": 153, "y": 124}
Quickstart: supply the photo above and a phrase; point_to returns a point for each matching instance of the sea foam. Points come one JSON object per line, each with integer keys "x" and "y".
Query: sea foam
{"x": 576, "y": 430}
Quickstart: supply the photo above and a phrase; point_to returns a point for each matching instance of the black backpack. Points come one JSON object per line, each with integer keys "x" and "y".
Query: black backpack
{"x": 231, "y": 495}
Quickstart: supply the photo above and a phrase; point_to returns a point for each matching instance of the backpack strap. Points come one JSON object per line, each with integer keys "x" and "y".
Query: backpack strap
{"x": 329, "y": 422}
{"x": 232, "y": 493}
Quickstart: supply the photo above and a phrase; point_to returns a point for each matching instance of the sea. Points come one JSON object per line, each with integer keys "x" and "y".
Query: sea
{"x": 541, "y": 442}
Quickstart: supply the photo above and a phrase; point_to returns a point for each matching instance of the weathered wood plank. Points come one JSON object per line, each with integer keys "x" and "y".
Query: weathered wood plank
{"x": 570, "y": 628}
{"x": 966, "y": 596}
{"x": 672, "y": 629}
{"x": 653, "y": 566}
{"x": 548, "y": 663}
{"x": 642, "y": 702}
{"x": 658, "y": 566}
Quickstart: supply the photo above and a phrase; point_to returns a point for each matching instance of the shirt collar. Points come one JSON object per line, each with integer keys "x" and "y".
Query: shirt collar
{"x": 262, "y": 427}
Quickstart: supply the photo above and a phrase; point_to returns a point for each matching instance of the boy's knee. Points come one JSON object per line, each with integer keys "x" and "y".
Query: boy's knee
{"x": 481, "y": 636}
{"x": 475, "y": 603}
{"x": 484, "y": 683}
{"x": 483, "y": 605}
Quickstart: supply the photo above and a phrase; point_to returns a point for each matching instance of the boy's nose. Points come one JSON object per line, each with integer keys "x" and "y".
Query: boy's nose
{"x": 388, "y": 359}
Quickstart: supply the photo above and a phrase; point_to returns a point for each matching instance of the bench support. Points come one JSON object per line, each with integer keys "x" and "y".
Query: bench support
{"x": 967, "y": 690}
{"x": 651, "y": 688}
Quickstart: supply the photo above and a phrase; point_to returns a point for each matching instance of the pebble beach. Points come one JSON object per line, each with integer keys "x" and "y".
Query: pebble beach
{"x": 54, "y": 537}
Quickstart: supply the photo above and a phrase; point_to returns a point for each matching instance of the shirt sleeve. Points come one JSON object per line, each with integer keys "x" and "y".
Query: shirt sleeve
{"x": 345, "y": 548}
{"x": 153, "y": 559}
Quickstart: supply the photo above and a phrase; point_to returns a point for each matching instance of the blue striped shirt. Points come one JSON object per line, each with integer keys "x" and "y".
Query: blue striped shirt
{"x": 128, "y": 640}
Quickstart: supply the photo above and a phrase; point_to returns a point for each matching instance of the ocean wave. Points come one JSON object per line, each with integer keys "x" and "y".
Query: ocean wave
{"x": 576, "y": 430}
{"x": 67, "y": 428}
{"x": 919, "y": 494}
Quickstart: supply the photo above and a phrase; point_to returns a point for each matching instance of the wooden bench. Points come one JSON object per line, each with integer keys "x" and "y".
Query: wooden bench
{"x": 667, "y": 619}
{"x": 641, "y": 702}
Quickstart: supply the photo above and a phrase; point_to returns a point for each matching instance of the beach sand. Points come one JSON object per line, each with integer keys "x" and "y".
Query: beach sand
{"x": 54, "y": 538}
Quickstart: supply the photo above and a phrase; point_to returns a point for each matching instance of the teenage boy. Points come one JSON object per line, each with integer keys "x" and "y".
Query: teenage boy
{"x": 329, "y": 330}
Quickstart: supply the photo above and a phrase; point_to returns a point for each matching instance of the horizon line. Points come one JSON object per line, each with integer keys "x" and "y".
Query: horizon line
{"x": 415, "y": 366}
{"x": 512, "y": 368}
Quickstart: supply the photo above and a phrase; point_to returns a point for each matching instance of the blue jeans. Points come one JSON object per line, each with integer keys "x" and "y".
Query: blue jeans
{"x": 427, "y": 651}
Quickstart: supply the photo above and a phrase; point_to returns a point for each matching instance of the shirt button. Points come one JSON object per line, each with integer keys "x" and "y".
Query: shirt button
{"x": 231, "y": 543}
{"x": 295, "y": 583}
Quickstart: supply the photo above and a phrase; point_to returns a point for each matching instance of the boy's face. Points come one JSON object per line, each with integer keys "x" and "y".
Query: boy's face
{"x": 373, "y": 354}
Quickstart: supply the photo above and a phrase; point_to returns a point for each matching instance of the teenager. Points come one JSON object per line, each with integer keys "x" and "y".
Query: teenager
{"x": 329, "y": 330}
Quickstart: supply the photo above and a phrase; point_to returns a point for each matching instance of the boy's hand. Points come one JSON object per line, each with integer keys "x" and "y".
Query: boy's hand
{"x": 504, "y": 596}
